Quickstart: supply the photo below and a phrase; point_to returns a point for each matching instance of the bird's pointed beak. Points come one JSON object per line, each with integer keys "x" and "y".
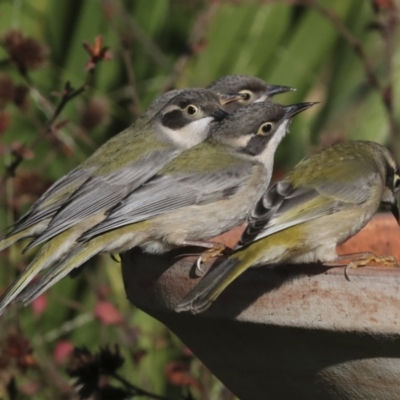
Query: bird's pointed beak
{"x": 272, "y": 90}
{"x": 292, "y": 110}
{"x": 219, "y": 114}
{"x": 395, "y": 211}
{"x": 229, "y": 98}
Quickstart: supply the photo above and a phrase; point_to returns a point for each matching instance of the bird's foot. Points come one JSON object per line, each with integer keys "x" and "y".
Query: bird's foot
{"x": 214, "y": 249}
{"x": 217, "y": 250}
{"x": 386, "y": 261}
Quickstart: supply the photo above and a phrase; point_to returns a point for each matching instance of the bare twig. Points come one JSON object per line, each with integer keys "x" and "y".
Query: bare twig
{"x": 68, "y": 94}
{"x": 10, "y": 170}
{"x": 97, "y": 53}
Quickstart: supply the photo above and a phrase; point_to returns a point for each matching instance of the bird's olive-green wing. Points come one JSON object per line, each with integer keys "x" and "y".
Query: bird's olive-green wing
{"x": 326, "y": 191}
{"x": 52, "y": 199}
{"x": 184, "y": 182}
{"x": 101, "y": 193}
{"x": 59, "y": 193}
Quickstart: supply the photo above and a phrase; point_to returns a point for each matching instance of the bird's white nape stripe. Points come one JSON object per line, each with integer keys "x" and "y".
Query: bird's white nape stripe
{"x": 238, "y": 142}
{"x": 262, "y": 98}
{"x": 267, "y": 156}
{"x": 191, "y": 134}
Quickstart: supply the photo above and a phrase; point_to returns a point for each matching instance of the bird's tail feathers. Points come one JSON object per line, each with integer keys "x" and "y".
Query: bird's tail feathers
{"x": 72, "y": 260}
{"x": 13, "y": 238}
{"x": 211, "y": 286}
{"x": 41, "y": 261}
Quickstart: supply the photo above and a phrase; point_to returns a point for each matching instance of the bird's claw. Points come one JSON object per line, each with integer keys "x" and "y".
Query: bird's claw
{"x": 215, "y": 251}
{"x": 387, "y": 261}
{"x": 199, "y": 271}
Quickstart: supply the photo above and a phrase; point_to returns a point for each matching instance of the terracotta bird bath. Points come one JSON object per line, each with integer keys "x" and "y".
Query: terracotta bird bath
{"x": 293, "y": 332}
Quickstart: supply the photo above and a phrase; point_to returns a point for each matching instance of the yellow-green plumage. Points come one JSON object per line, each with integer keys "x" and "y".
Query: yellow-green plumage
{"x": 126, "y": 162}
{"x": 50, "y": 253}
{"x": 125, "y": 149}
{"x": 281, "y": 245}
{"x": 42, "y": 260}
{"x": 203, "y": 192}
{"x": 76, "y": 257}
{"x": 8, "y": 241}
{"x": 118, "y": 167}
{"x": 202, "y": 159}
{"x": 326, "y": 199}
{"x": 134, "y": 143}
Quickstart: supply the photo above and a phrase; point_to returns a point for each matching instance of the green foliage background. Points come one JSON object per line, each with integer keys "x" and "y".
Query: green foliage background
{"x": 158, "y": 45}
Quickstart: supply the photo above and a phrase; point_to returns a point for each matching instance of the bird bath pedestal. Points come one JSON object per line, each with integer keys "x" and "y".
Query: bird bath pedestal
{"x": 293, "y": 332}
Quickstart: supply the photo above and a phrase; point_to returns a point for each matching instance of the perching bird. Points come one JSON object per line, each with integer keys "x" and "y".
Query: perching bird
{"x": 174, "y": 122}
{"x": 250, "y": 88}
{"x": 117, "y": 168}
{"x": 322, "y": 202}
{"x": 205, "y": 191}
{"x": 36, "y": 220}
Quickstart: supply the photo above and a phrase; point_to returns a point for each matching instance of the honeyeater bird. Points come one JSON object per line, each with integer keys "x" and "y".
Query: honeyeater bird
{"x": 82, "y": 198}
{"x": 203, "y": 192}
{"x": 175, "y": 122}
{"x": 240, "y": 89}
{"x": 322, "y": 202}
{"x": 250, "y": 88}
{"x": 181, "y": 124}
{"x": 94, "y": 170}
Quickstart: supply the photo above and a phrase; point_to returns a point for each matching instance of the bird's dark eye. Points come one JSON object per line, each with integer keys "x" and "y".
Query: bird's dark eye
{"x": 396, "y": 181}
{"x": 245, "y": 94}
{"x": 265, "y": 128}
{"x": 191, "y": 109}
